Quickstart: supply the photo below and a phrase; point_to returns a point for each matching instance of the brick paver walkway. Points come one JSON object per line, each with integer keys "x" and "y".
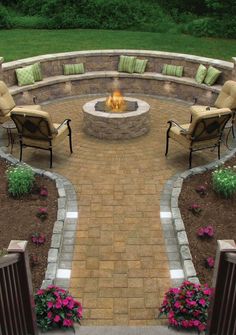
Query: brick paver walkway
{"x": 120, "y": 268}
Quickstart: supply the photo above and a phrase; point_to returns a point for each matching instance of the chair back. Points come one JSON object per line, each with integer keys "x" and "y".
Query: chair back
{"x": 227, "y": 96}
{"x": 33, "y": 124}
{"x": 209, "y": 126}
{"x": 6, "y": 101}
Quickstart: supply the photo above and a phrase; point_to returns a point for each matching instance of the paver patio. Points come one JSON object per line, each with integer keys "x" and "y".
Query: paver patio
{"x": 120, "y": 269}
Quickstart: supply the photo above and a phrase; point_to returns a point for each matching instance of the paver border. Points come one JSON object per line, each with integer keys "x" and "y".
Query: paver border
{"x": 173, "y": 225}
{"x": 60, "y": 254}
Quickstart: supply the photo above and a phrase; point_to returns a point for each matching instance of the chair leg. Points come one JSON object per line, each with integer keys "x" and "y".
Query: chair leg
{"x": 219, "y": 151}
{"x": 50, "y": 157}
{"x": 190, "y": 159}
{"x": 167, "y": 143}
{"x": 21, "y": 147}
{"x": 70, "y": 141}
{"x": 233, "y": 133}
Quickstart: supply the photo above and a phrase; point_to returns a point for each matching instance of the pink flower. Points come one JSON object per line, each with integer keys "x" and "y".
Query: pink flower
{"x": 40, "y": 292}
{"x": 43, "y": 191}
{"x": 191, "y": 302}
{"x": 65, "y": 302}
{"x": 49, "y": 315}
{"x": 202, "y": 302}
{"x": 50, "y": 304}
{"x": 57, "y": 318}
{"x": 58, "y": 304}
{"x": 207, "y": 291}
{"x": 184, "y": 323}
{"x": 210, "y": 262}
{"x": 67, "y": 323}
{"x": 201, "y": 327}
{"x": 177, "y": 304}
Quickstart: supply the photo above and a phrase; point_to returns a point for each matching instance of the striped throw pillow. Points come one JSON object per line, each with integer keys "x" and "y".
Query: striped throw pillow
{"x": 211, "y": 76}
{"x": 37, "y": 72}
{"x": 73, "y": 68}
{"x": 25, "y": 76}
{"x": 201, "y": 74}
{"x": 173, "y": 70}
{"x": 126, "y": 64}
{"x": 140, "y": 65}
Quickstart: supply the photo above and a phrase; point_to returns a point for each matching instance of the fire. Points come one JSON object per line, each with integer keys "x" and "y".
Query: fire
{"x": 116, "y": 101}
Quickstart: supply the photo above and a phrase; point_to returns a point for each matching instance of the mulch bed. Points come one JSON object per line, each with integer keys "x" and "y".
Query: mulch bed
{"x": 18, "y": 221}
{"x": 216, "y": 211}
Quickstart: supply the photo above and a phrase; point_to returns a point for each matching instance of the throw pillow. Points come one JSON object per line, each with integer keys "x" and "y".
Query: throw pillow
{"x": 25, "y": 76}
{"x": 73, "y": 69}
{"x": 126, "y": 64}
{"x": 201, "y": 74}
{"x": 173, "y": 70}
{"x": 37, "y": 72}
{"x": 140, "y": 65}
{"x": 212, "y": 75}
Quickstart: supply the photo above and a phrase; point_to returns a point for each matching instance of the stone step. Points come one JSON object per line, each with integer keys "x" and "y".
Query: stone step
{"x": 119, "y": 330}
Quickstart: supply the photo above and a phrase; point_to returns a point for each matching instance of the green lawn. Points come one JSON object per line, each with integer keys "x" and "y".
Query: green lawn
{"x": 22, "y": 43}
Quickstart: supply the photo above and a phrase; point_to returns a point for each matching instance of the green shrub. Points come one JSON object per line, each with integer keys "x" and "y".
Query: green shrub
{"x": 35, "y": 22}
{"x": 20, "y": 180}
{"x": 213, "y": 27}
{"x": 224, "y": 181}
{"x": 5, "y": 21}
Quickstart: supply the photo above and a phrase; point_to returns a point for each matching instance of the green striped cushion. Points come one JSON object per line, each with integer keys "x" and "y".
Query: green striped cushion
{"x": 73, "y": 68}
{"x": 37, "y": 72}
{"x": 201, "y": 74}
{"x": 173, "y": 70}
{"x": 140, "y": 65}
{"x": 126, "y": 64}
{"x": 212, "y": 75}
{"x": 25, "y": 76}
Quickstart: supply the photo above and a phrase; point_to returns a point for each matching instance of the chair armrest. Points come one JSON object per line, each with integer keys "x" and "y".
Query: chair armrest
{"x": 182, "y": 130}
{"x": 65, "y": 122}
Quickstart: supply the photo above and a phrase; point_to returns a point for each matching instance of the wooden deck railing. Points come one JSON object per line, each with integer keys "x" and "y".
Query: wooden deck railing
{"x": 222, "y": 314}
{"x": 17, "y": 315}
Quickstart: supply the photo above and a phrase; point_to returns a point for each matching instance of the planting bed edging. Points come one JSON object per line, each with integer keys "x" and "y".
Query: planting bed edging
{"x": 177, "y": 245}
{"x": 60, "y": 254}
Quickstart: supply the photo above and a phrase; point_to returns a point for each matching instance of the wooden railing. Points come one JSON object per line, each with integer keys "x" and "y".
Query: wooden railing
{"x": 222, "y": 314}
{"x": 17, "y": 315}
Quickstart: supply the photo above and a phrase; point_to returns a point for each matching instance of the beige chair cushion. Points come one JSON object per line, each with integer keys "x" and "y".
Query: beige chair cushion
{"x": 63, "y": 132}
{"x": 6, "y": 117}
{"x": 34, "y": 107}
{"x": 37, "y": 113}
{"x": 6, "y": 100}
{"x": 197, "y": 110}
{"x": 227, "y": 96}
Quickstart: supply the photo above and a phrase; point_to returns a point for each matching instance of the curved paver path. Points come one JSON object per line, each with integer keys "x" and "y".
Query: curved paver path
{"x": 120, "y": 269}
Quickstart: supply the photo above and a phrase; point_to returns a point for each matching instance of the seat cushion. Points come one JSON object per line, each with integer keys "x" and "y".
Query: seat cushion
{"x": 126, "y": 64}
{"x": 201, "y": 74}
{"x": 25, "y": 76}
{"x": 62, "y": 133}
{"x": 6, "y": 100}
{"x": 227, "y": 96}
{"x": 212, "y": 75}
{"x": 140, "y": 65}
{"x": 173, "y": 70}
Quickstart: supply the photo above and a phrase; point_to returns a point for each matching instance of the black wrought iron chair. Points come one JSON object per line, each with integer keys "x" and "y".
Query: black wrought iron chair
{"x": 36, "y": 130}
{"x": 204, "y": 132}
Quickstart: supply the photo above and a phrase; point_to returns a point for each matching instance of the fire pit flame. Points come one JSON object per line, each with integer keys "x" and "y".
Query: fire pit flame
{"x": 116, "y": 102}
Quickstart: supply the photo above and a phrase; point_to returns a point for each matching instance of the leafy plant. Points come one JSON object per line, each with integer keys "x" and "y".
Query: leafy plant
{"x": 20, "y": 180}
{"x": 195, "y": 209}
{"x": 207, "y": 231}
{"x": 38, "y": 238}
{"x": 224, "y": 181}
{"x": 42, "y": 213}
{"x": 187, "y": 305}
{"x": 210, "y": 262}
{"x": 201, "y": 190}
{"x": 56, "y": 308}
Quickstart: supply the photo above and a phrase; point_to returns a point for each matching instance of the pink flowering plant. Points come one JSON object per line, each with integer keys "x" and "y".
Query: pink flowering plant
{"x": 207, "y": 231}
{"x": 43, "y": 192}
{"x": 186, "y": 306}
{"x": 42, "y": 213}
{"x": 201, "y": 190}
{"x": 195, "y": 209}
{"x": 210, "y": 262}
{"x": 56, "y": 308}
{"x": 38, "y": 238}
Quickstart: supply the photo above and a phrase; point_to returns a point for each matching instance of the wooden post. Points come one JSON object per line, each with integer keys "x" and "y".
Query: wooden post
{"x": 26, "y": 284}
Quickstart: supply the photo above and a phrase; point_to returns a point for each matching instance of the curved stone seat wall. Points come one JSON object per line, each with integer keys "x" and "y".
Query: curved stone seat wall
{"x": 101, "y": 69}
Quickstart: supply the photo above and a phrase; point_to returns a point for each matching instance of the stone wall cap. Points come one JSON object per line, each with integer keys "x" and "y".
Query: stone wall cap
{"x": 115, "y": 52}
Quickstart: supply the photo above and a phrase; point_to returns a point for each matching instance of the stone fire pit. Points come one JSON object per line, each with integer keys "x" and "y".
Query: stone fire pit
{"x": 116, "y": 125}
